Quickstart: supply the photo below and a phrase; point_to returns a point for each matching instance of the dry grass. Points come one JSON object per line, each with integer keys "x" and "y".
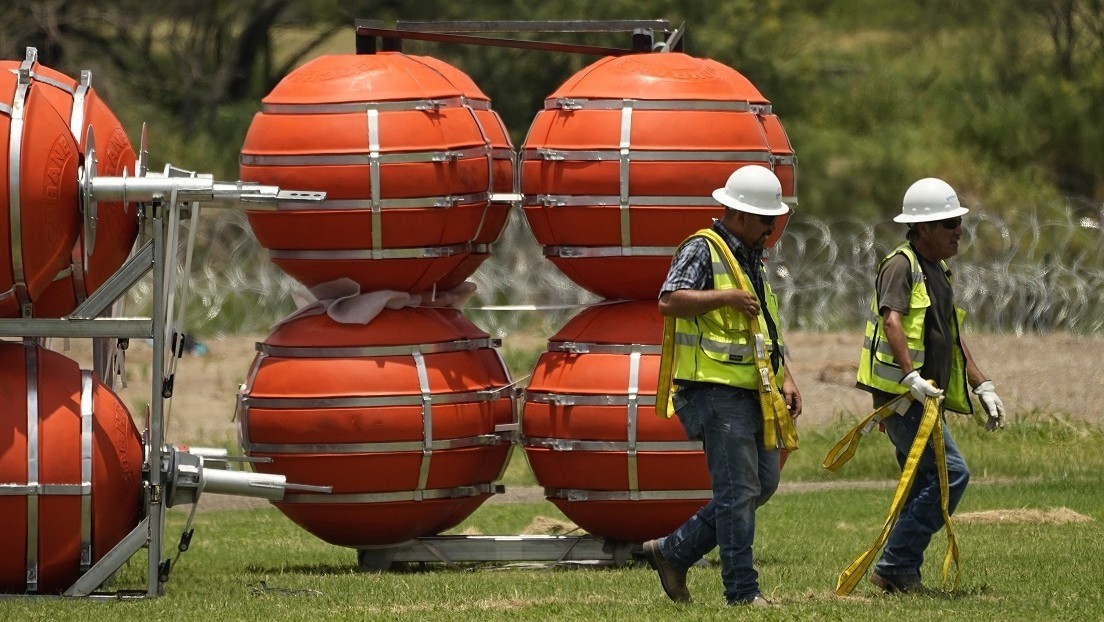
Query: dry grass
{"x": 1053, "y": 516}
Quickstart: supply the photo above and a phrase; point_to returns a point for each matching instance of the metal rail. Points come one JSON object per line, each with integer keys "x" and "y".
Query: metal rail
{"x": 451, "y": 550}
{"x": 459, "y": 32}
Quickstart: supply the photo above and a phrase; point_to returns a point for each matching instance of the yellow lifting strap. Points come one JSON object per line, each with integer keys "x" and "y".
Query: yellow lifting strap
{"x": 930, "y": 430}
{"x": 664, "y": 407}
{"x": 845, "y": 449}
{"x": 778, "y": 426}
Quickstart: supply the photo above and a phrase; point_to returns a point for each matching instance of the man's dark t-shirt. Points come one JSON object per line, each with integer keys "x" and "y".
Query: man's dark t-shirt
{"x": 894, "y": 290}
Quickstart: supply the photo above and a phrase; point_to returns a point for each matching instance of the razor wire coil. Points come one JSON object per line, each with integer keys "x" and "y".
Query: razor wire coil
{"x": 1028, "y": 271}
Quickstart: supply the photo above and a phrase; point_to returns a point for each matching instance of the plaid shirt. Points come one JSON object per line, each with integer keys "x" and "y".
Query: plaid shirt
{"x": 692, "y": 267}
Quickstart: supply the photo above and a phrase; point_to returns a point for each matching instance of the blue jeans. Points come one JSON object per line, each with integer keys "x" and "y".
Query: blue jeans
{"x": 729, "y": 423}
{"x": 921, "y": 517}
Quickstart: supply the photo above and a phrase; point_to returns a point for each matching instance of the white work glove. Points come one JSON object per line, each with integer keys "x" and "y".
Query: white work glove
{"x": 921, "y": 389}
{"x": 993, "y": 405}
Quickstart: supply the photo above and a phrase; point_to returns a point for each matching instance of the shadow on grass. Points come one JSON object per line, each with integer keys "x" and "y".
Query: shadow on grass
{"x": 304, "y": 569}
{"x": 429, "y": 568}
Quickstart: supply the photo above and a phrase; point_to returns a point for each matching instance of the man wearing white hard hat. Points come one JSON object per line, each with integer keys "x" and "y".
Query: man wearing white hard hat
{"x": 727, "y": 355}
{"x": 913, "y": 345}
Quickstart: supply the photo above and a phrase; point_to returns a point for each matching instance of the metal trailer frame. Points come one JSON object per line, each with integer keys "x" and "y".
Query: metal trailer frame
{"x": 86, "y": 322}
{"x": 161, "y": 202}
{"x": 373, "y": 36}
{"x": 583, "y": 551}
{"x": 643, "y": 34}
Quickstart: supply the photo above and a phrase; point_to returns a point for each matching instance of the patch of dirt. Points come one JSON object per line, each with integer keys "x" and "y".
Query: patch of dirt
{"x": 547, "y": 526}
{"x": 1053, "y": 516}
{"x": 1030, "y": 373}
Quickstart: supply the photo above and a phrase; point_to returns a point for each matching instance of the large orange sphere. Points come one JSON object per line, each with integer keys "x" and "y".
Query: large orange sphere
{"x": 619, "y": 166}
{"x": 116, "y": 225}
{"x": 409, "y": 154}
{"x": 591, "y": 434}
{"x": 73, "y": 469}
{"x": 39, "y": 209}
{"x": 399, "y": 416}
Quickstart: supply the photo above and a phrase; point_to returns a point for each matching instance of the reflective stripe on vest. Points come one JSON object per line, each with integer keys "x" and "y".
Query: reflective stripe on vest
{"x": 732, "y": 351}
{"x": 878, "y": 369}
{"x": 917, "y": 356}
{"x": 715, "y": 347}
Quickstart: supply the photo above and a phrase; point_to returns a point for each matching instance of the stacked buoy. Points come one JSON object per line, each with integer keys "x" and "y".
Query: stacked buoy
{"x": 70, "y": 470}
{"x": 618, "y": 169}
{"x": 619, "y": 166}
{"x": 40, "y": 218}
{"x": 591, "y": 435}
{"x": 401, "y": 405}
{"x": 410, "y": 155}
{"x": 71, "y": 464}
{"x": 99, "y": 248}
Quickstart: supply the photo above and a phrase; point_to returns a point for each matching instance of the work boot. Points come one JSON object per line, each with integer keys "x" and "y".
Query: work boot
{"x": 757, "y": 600}
{"x": 903, "y": 584}
{"x": 672, "y": 579}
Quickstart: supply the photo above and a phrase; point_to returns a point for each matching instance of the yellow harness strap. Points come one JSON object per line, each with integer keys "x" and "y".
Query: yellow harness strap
{"x": 845, "y": 449}
{"x": 778, "y": 426}
{"x": 930, "y": 430}
{"x": 664, "y": 387}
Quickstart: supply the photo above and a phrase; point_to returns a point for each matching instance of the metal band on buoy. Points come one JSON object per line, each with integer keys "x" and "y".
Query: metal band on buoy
{"x": 427, "y": 424}
{"x": 32, "y": 468}
{"x": 482, "y": 440}
{"x": 430, "y": 105}
{"x": 15, "y": 147}
{"x": 391, "y": 497}
{"x": 374, "y": 253}
{"x": 461, "y": 345}
{"x": 607, "y": 251}
{"x": 76, "y": 114}
{"x": 86, "y": 411}
{"x": 720, "y": 105}
{"x": 362, "y": 204}
{"x": 34, "y": 488}
{"x": 372, "y": 158}
{"x": 369, "y": 402}
{"x": 579, "y": 347}
{"x": 570, "y": 399}
{"x": 644, "y": 155}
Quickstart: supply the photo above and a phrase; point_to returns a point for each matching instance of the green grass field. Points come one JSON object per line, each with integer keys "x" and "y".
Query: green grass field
{"x": 256, "y": 564}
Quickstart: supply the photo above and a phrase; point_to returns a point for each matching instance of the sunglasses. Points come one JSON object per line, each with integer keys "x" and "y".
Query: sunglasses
{"x": 770, "y": 220}
{"x": 950, "y": 223}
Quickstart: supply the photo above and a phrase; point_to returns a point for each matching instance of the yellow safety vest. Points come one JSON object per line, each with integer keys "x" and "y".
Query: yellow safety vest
{"x": 718, "y": 346}
{"x": 878, "y": 369}
{"x": 724, "y": 347}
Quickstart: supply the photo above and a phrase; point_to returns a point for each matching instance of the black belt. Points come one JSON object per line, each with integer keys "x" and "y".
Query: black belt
{"x": 696, "y": 384}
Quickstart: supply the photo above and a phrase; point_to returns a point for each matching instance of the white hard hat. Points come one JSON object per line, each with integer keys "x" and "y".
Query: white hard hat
{"x": 929, "y": 199}
{"x": 752, "y": 189}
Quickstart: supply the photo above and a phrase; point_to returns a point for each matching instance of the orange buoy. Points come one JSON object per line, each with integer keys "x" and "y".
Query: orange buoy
{"x": 39, "y": 209}
{"x": 409, "y": 153}
{"x": 399, "y": 416}
{"x": 619, "y": 166}
{"x": 592, "y": 437}
{"x": 116, "y": 225}
{"x": 504, "y": 162}
{"x": 70, "y": 470}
